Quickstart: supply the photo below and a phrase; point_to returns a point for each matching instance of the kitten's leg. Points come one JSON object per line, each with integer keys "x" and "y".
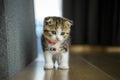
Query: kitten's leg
{"x": 48, "y": 60}
{"x": 64, "y": 61}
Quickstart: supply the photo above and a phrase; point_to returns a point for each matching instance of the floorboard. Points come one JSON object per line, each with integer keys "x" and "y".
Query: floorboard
{"x": 80, "y": 69}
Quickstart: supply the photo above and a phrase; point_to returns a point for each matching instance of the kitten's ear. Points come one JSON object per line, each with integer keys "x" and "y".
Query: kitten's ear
{"x": 69, "y": 22}
{"x": 48, "y": 21}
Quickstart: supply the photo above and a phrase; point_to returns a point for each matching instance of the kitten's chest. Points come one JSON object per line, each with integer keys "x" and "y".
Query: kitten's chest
{"x": 54, "y": 48}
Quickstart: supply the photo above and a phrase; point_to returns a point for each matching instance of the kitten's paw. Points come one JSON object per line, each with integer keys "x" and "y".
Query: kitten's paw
{"x": 48, "y": 66}
{"x": 63, "y": 67}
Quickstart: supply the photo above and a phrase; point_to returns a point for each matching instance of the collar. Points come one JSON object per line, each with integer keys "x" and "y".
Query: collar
{"x": 51, "y": 42}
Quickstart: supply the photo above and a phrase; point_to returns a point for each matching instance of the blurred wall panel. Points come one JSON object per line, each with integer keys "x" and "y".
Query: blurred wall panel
{"x": 17, "y": 36}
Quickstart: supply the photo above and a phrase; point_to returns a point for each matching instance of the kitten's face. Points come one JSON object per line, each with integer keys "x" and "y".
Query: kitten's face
{"x": 56, "y": 28}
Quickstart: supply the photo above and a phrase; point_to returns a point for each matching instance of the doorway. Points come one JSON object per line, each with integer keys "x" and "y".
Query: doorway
{"x": 43, "y": 8}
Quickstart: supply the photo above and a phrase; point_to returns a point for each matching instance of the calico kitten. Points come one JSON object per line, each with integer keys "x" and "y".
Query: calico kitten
{"x": 55, "y": 42}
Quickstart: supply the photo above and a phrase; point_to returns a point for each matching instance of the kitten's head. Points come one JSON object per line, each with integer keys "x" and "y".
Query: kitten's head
{"x": 57, "y": 28}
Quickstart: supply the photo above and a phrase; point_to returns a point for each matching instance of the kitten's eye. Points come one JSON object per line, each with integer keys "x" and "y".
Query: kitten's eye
{"x": 53, "y": 32}
{"x": 62, "y": 33}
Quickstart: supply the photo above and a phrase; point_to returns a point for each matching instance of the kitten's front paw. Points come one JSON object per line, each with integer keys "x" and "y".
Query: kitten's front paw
{"x": 63, "y": 67}
{"x": 48, "y": 66}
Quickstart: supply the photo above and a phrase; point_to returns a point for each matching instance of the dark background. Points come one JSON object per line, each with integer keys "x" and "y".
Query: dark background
{"x": 96, "y": 22}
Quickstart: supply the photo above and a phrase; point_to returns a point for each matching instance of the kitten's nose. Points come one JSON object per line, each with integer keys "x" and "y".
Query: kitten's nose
{"x": 57, "y": 38}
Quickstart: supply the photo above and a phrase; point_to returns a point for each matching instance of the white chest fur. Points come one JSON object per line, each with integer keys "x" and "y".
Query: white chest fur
{"x": 54, "y": 48}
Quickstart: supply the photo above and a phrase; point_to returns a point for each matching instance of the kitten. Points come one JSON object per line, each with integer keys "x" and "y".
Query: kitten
{"x": 55, "y": 42}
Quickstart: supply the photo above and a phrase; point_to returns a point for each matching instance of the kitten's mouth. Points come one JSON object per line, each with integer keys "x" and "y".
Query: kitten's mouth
{"x": 51, "y": 42}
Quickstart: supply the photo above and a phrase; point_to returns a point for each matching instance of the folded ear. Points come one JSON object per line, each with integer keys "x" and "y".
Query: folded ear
{"x": 68, "y": 22}
{"x": 48, "y": 21}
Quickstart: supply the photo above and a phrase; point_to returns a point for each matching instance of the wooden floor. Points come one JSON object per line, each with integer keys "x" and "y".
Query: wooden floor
{"x": 82, "y": 67}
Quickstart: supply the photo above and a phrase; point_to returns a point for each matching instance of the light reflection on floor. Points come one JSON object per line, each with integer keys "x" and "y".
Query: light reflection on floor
{"x": 39, "y": 72}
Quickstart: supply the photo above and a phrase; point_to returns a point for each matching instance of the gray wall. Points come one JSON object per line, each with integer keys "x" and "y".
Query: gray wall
{"x": 17, "y": 36}
{"x": 3, "y": 44}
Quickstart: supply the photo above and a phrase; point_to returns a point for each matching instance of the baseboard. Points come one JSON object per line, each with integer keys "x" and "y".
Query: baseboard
{"x": 97, "y": 49}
